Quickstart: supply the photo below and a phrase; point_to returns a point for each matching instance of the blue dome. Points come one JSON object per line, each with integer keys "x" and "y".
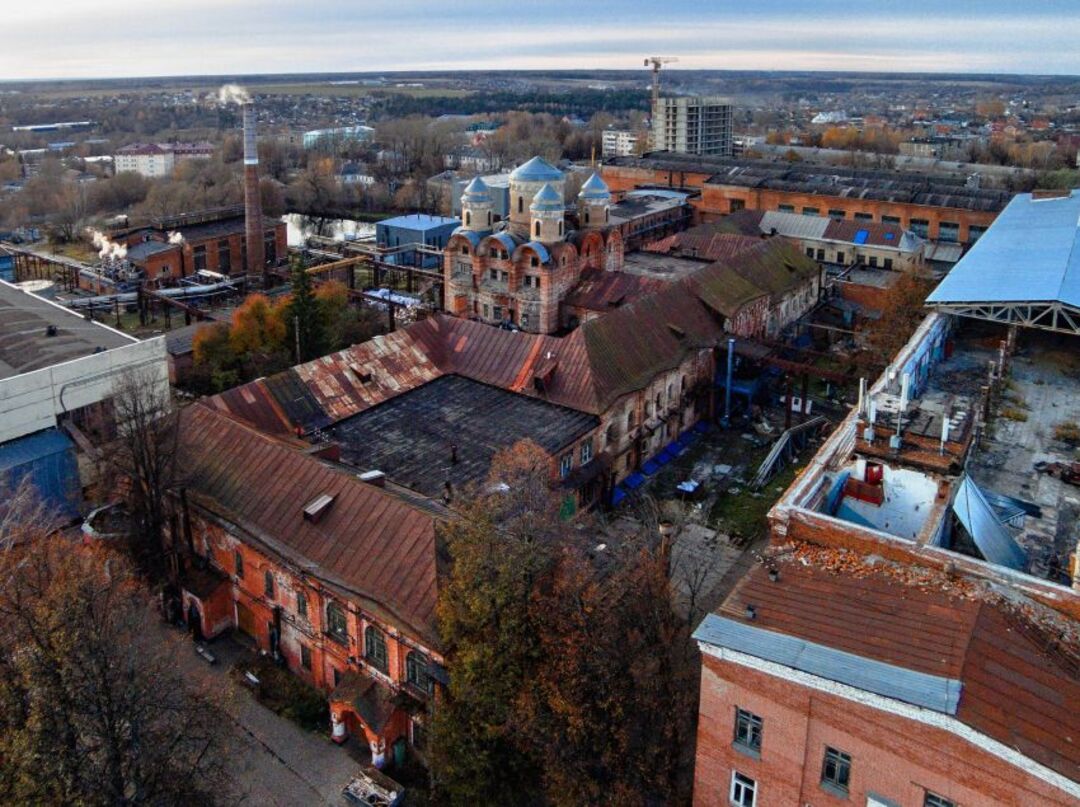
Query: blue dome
{"x": 477, "y": 191}
{"x": 536, "y": 170}
{"x": 547, "y": 199}
{"x": 594, "y": 188}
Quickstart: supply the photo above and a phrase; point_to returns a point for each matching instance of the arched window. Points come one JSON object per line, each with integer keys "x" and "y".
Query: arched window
{"x": 489, "y": 217}
{"x": 560, "y": 228}
{"x": 375, "y": 648}
{"x": 659, "y": 403}
{"x": 416, "y": 672}
{"x": 536, "y": 229}
{"x": 521, "y": 204}
{"x": 336, "y": 625}
{"x": 268, "y": 583}
{"x": 586, "y": 215}
{"x": 468, "y": 218}
{"x": 606, "y": 211}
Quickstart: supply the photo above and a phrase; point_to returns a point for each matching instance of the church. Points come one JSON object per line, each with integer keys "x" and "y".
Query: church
{"x": 517, "y": 272}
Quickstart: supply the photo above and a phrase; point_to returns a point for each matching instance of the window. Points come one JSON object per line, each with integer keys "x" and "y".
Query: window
{"x": 496, "y": 312}
{"x": 521, "y": 204}
{"x": 975, "y": 232}
{"x": 821, "y": 254}
{"x": 735, "y": 205}
{"x": 786, "y": 208}
{"x": 809, "y": 252}
{"x": 934, "y": 800}
{"x": 301, "y": 604}
{"x": 534, "y": 261}
{"x": 416, "y": 672}
{"x": 839, "y": 257}
{"x": 747, "y": 729}
{"x": 560, "y": 228}
{"x": 270, "y": 250}
{"x": 811, "y": 211}
{"x": 586, "y": 451}
{"x": 493, "y": 274}
{"x": 565, "y": 464}
{"x": 891, "y": 220}
{"x": 375, "y": 648}
{"x": 836, "y": 770}
{"x": 873, "y": 261}
{"x": 199, "y": 255}
{"x": 238, "y": 561}
{"x": 743, "y": 790}
{"x": 888, "y": 263}
{"x": 949, "y": 231}
{"x": 337, "y": 676}
{"x": 630, "y": 420}
{"x": 268, "y": 583}
{"x": 305, "y": 657}
{"x": 921, "y": 227}
{"x": 468, "y": 218}
{"x": 524, "y": 320}
{"x": 464, "y": 250}
{"x": 419, "y": 738}
{"x": 224, "y": 258}
{"x": 487, "y": 311}
{"x": 864, "y": 217}
{"x": 336, "y": 624}
{"x": 837, "y": 215}
{"x": 504, "y": 277}
{"x": 536, "y": 229}
{"x": 586, "y": 215}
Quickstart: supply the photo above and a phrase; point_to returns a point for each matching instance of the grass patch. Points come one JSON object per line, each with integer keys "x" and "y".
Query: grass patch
{"x": 1012, "y": 413}
{"x": 742, "y": 514}
{"x": 1068, "y": 432}
{"x": 285, "y": 694}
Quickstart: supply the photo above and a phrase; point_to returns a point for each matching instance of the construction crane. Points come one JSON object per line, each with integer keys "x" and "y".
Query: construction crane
{"x": 656, "y": 62}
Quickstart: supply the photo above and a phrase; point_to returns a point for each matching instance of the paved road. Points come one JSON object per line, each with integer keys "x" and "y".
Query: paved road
{"x": 274, "y": 760}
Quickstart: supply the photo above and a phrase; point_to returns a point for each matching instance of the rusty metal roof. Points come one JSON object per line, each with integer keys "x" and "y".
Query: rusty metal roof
{"x": 370, "y": 544}
{"x": 1013, "y": 689}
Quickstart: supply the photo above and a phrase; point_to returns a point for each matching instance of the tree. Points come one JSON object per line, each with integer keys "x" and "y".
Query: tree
{"x": 902, "y": 311}
{"x": 215, "y": 363}
{"x": 93, "y": 710}
{"x": 306, "y": 332}
{"x": 257, "y": 335}
{"x": 487, "y": 628}
{"x": 143, "y": 463}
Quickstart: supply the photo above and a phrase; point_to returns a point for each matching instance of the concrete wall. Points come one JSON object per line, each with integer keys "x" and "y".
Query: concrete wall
{"x": 32, "y": 401}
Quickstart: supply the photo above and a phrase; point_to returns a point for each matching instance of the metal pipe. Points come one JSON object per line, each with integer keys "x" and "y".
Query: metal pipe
{"x": 727, "y": 384}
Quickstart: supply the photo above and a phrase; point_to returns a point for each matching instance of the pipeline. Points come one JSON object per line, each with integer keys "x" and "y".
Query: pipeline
{"x": 178, "y": 292}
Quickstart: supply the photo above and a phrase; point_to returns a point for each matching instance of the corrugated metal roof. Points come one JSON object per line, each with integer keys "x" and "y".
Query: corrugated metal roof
{"x": 989, "y": 534}
{"x": 929, "y": 691}
{"x": 794, "y": 225}
{"x": 1031, "y": 253}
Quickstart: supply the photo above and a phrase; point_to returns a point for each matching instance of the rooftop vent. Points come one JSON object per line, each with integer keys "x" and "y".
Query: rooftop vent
{"x": 318, "y": 508}
{"x": 364, "y": 376}
{"x": 50, "y": 330}
{"x": 376, "y": 478}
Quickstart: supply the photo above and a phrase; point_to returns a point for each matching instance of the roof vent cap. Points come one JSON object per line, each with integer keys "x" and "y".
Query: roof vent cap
{"x": 318, "y": 508}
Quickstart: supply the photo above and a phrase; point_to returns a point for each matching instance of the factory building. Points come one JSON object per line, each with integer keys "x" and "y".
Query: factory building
{"x": 58, "y": 372}
{"x": 692, "y": 125}
{"x": 941, "y": 209}
{"x": 618, "y": 143}
{"x": 910, "y": 636}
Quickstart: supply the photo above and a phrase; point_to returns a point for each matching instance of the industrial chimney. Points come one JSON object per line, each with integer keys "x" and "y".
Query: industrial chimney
{"x": 253, "y": 223}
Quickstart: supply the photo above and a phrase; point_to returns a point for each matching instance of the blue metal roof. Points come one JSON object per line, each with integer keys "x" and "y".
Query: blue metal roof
{"x": 476, "y": 191}
{"x": 594, "y": 188}
{"x": 982, "y": 524}
{"x": 547, "y": 198}
{"x": 536, "y": 170}
{"x": 48, "y": 459}
{"x": 419, "y": 221}
{"x": 1031, "y": 253}
{"x": 506, "y": 240}
{"x": 540, "y": 250}
{"x": 918, "y": 688}
{"x": 474, "y": 237}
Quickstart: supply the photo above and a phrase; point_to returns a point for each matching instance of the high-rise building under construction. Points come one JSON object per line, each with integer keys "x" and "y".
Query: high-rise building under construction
{"x": 692, "y": 125}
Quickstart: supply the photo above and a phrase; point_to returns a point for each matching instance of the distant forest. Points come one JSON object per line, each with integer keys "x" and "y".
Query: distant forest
{"x": 582, "y": 102}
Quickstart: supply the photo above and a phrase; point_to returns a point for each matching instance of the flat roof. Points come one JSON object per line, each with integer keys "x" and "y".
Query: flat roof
{"x": 419, "y": 221}
{"x": 24, "y": 341}
{"x": 409, "y": 437}
{"x": 1031, "y": 253}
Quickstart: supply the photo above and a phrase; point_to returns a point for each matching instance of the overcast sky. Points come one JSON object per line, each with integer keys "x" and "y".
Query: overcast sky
{"x": 80, "y": 38}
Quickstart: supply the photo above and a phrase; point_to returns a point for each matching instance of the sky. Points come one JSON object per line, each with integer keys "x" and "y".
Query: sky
{"x": 124, "y": 38}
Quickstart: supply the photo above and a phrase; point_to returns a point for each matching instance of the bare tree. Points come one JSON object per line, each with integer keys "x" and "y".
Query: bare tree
{"x": 94, "y": 710}
{"x": 143, "y": 461}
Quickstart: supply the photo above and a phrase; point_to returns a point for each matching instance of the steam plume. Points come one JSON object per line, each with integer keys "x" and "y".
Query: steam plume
{"x": 233, "y": 94}
{"x": 176, "y": 238}
{"x": 107, "y": 250}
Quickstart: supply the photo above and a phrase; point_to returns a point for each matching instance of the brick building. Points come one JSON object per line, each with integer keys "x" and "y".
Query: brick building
{"x": 518, "y": 272}
{"x": 168, "y": 249}
{"x": 938, "y": 208}
{"x": 336, "y": 575}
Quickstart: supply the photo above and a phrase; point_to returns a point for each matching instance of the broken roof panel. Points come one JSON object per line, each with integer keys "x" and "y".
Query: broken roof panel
{"x": 982, "y": 524}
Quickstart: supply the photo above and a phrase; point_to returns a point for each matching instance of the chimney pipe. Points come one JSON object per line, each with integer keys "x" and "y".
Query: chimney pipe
{"x": 253, "y": 223}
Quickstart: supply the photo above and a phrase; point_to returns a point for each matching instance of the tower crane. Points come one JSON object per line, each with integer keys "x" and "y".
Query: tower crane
{"x": 656, "y": 62}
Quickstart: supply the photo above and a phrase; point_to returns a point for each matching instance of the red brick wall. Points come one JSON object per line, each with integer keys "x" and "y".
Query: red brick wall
{"x": 892, "y": 756}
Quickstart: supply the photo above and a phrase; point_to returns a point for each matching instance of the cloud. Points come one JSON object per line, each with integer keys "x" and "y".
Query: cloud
{"x": 124, "y": 38}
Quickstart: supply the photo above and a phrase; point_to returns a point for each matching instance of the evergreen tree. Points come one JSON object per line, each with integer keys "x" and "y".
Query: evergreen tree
{"x": 305, "y": 322}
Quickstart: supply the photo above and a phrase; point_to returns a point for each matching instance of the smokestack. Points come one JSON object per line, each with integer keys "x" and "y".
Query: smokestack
{"x": 253, "y": 223}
